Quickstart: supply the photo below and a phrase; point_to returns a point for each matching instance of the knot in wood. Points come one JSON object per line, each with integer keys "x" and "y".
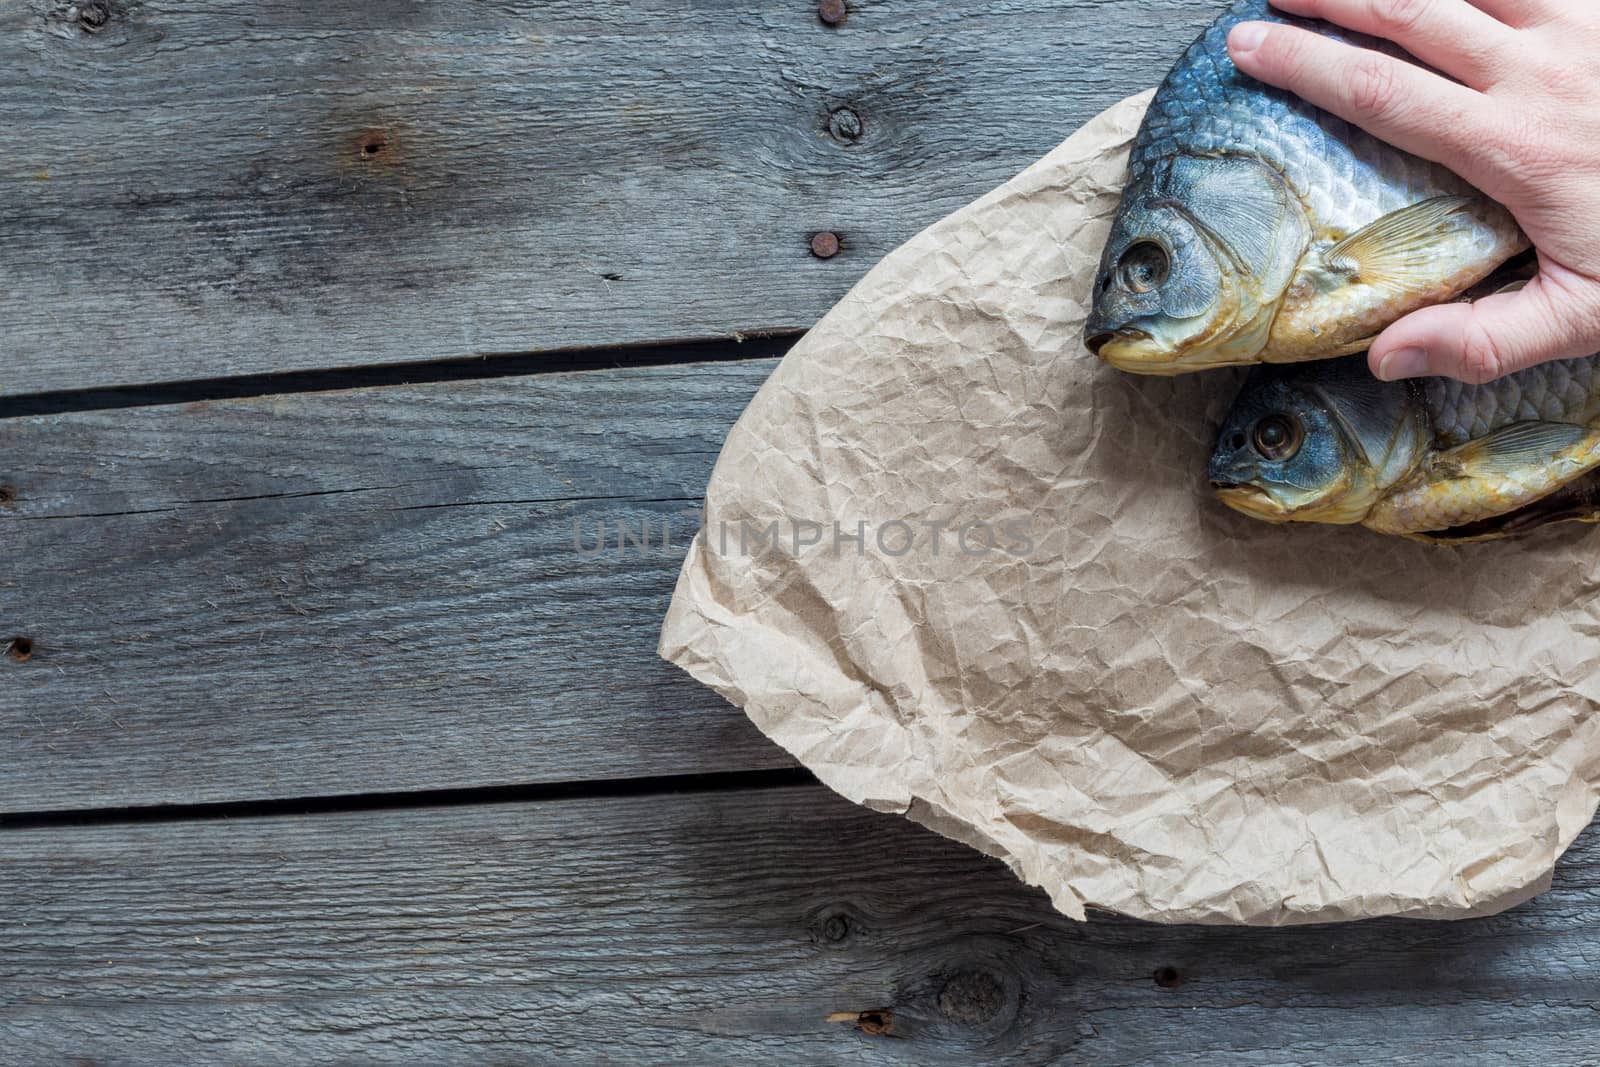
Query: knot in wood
{"x": 971, "y": 997}
{"x": 845, "y": 126}
{"x": 92, "y": 15}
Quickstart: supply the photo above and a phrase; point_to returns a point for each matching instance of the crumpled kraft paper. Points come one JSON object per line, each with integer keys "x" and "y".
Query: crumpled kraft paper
{"x": 1156, "y": 707}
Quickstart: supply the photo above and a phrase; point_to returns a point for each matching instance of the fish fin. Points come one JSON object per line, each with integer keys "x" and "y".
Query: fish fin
{"x": 1520, "y": 450}
{"x": 1400, "y": 243}
{"x": 1492, "y": 476}
{"x": 1425, "y": 254}
{"x": 1577, "y": 501}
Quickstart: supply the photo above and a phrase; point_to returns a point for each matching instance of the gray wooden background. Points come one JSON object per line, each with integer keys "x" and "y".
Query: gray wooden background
{"x": 334, "y": 332}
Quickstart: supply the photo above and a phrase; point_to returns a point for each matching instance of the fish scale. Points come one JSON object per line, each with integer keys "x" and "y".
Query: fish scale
{"x": 1564, "y": 391}
{"x": 1256, "y": 228}
{"x": 1434, "y": 458}
{"x": 1208, "y": 108}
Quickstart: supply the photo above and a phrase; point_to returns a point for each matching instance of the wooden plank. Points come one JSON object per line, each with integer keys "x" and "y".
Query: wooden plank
{"x": 716, "y": 928}
{"x": 191, "y": 192}
{"x": 358, "y": 591}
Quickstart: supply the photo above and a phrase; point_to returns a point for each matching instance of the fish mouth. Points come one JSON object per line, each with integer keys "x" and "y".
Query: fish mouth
{"x": 1098, "y": 340}
{"x": 1137, "y": 352}
{"x": 1251, "y": 500}
{"x": 1113, "y": 345}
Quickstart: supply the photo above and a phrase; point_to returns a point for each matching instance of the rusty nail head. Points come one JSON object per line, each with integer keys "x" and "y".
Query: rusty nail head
{"x": 825, "y": 245}
{"x": 832, "y": 12}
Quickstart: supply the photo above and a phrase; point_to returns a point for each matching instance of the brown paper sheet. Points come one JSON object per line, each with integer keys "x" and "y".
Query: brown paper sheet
{"x": 1157, "y": 707}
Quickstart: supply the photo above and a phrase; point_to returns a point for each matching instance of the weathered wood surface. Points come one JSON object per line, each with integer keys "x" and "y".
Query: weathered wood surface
{"x": 377, "y": 590}
{"x": 359, "y": 591}
{"x": 194, "y": 191}
{"x": 716, "y": 928}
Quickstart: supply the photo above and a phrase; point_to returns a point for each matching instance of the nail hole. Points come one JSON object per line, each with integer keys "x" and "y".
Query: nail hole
{"x": 8, "y": 495}
{"x": 371, "y": 142}
{"x": 1236, "y": 442}
{"x": 20, "y": 648}
{"x": 878, "y": 1021}
{"x": 1168, "y": 977}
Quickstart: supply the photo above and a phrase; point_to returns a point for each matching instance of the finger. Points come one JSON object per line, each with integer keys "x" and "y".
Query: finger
{"x": 1395, "y": 101}
{"x": 1449, "y": 35}
{"x": 1520, "y": 13}
{"x": 1556, "y": 316}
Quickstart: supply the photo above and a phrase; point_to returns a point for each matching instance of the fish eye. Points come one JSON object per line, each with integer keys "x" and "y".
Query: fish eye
{"x": 1143, "y": 267}
{"x": 1277, "y": 437}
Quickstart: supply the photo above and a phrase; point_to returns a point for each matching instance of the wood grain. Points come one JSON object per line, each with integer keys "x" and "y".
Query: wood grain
{"x": 716, "y": 928}
{"x": 193, "y": 191}
{"x": 359, "y": 591}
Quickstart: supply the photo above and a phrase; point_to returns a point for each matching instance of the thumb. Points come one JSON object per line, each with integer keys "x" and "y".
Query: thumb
{"x": 1555, "y": 316}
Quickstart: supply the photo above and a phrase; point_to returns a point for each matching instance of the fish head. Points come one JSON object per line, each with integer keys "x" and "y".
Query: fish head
{"x": 1279, "y": 456}
{"x": 1159, "y": 283}
{"x": 1318, "y": 442}
{"x": 1200, "y": 256}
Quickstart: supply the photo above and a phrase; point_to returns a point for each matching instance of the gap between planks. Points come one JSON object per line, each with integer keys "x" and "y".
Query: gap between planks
{"x": 469, "y": 368}
{"x": 535, "y": 792}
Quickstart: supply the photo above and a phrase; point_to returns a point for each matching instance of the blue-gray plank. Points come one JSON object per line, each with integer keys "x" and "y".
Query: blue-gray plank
{"x": 780, "y": 925}
{"x": 193, "y": 191}
{"x": 357, "y": 591}
{"x": 375, "y": 590}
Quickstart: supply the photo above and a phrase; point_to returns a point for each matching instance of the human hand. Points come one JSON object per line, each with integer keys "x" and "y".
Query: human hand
{"x": 1521, "y": 122}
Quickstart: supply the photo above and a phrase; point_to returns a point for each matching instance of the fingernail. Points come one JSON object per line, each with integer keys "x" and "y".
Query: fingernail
{"x": 1247, "y": 36}
{"x": 1403, "y": 363}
